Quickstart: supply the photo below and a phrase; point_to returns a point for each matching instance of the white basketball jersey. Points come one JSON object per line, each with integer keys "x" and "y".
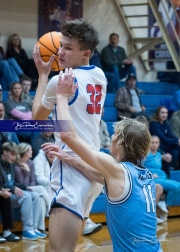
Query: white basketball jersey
{"x": 85, "y": 106}
{"x": 69, "y": 187}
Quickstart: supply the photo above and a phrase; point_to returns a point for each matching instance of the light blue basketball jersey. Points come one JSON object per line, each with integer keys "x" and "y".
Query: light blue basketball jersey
{"x": 132, "y": 220}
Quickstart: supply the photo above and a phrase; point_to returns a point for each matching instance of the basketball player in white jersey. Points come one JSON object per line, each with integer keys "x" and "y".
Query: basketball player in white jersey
{"x": 72, "y": 194}
{"x": 130, "y": 187}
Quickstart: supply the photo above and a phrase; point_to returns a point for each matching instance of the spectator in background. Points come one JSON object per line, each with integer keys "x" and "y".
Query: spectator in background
{"x": 25, "y": 174}
{"x": 143, "y": 119}
{"x": 27, "y": 202}
{"x": 6, "y": 136}
{"x": 26, "y": 86}
{"x": 160, "y": 204}
{"x": 111, "y": 78}
{"x": 15, "y": 50}
{"x": 168, "y": 142}
{"x": 42, "y": 138}
{"x": 105, "y": 140}
{"x": 175, "y": 101}
{"x": 10, "y": 71}
{"x": 153, "y": 162}
{"x": 175, "y": 124}
{"x": 6, "y": 214}
{"x": 2, "y": 111}
{"x": 42, "y": 163}
{"x": 166, "y": 157}
{"x": 115, "y": 60}
{"x": 16, "y": 108}
{"x": 127, "y": 99}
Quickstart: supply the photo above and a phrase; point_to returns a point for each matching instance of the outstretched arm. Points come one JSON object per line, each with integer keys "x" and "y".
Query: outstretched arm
{"x": 79, "y": 164}
{"x": 38, "y": 111}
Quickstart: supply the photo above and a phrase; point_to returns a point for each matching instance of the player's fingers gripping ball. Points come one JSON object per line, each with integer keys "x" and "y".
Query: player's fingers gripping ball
{"x": 49, "y": 45}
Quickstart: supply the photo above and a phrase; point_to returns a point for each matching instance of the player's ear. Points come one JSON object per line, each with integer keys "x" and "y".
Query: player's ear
{"x": 87, "y": 53}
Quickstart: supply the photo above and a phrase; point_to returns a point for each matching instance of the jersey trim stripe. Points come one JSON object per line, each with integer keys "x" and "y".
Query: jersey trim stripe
{"x": 115, "y": 202}
{"x": 86, "y": 67}
{"x": 59, "y": 205}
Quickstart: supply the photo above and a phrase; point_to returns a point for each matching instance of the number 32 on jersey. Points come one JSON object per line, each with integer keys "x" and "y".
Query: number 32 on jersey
{"x": 95, "y": 99}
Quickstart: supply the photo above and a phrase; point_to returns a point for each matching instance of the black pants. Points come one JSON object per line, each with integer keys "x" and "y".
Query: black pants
{"x": 6, "y": 214}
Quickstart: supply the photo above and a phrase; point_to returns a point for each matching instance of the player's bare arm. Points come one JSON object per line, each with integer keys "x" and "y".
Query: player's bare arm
{"x": 38, "y": 111}
{"x": 105, "y": 164}
{"x": 79, "y": 164}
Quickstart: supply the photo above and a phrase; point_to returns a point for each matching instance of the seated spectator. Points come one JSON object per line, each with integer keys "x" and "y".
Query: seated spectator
{"x": 168, "y": 142}
{"x": 42, "y": 164}
{"x": 6, "y": 136}
{"x": 16, "y": 108}
{"x": 111, "y": 78}
{"x": 175, "y": 101}
{"x": 105, "y": 140}
{"x": 153, "y": 162}
{"x": 2, "y": 111}
{"x": 6, "y": 215}
{"x": 160, "y": 204}
{"x": 127, "y": 99}
{"x": 115, "y": 60}
{"x": 15, "y": 50}
{"x": 143, "y": 120}
{"x": 20, "y": 197}
{"x": 25, "y": 175}
{"x": 26, "y": 85}
{"x": 165, "y": 156}
{"x": 42, "y": 138}
{"x": 174, "y": 123}
{"x": 10, "y": 71}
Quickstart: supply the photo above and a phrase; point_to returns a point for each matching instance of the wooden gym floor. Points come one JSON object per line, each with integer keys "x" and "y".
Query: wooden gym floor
{"x": 168, "y": 234}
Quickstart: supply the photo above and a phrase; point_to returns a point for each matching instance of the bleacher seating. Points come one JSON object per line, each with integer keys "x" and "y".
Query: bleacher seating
{"x": 155, "y": 94}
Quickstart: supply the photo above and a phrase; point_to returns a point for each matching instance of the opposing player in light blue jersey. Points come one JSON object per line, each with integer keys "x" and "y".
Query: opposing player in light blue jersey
{"x": 72, "y": 193}
{"x": 130, "y": 188}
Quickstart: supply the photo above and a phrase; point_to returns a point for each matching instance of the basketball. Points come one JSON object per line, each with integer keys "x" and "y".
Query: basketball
{"x": 49, "y": 44}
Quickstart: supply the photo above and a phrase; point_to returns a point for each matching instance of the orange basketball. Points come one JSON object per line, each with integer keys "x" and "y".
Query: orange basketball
{"x": 49, "y": 44}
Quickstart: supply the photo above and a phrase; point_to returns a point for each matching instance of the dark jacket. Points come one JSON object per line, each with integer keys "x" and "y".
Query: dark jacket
{"x": 110, "y": 58}
{"x": 163, "y": 131}
{"x": 7, "y": 176}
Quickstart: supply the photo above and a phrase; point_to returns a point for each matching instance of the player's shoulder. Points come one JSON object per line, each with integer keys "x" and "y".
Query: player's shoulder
{"x": 54, "y": 79}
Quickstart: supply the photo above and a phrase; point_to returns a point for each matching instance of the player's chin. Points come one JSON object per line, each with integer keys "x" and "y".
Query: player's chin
{"x": 64, "y": 65}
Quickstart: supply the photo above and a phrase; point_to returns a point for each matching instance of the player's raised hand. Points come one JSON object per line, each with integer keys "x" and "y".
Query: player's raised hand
{"x": 65, "y": 85}
{"x": 50, "y": 147}
{"x": 42, "y": 67}
{"x": 56, "y": 151}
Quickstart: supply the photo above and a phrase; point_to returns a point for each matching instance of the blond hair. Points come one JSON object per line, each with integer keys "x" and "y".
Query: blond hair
{"x": 22, "y": 149}
{"x": 135, "y": 139}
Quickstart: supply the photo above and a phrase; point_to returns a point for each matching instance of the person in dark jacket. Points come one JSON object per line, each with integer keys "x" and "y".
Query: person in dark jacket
{"x": 20, "y": 197}
{"x": 159, "y": 126}
{"x": 15, "y": 50}
{"x": 114, "y": 59}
